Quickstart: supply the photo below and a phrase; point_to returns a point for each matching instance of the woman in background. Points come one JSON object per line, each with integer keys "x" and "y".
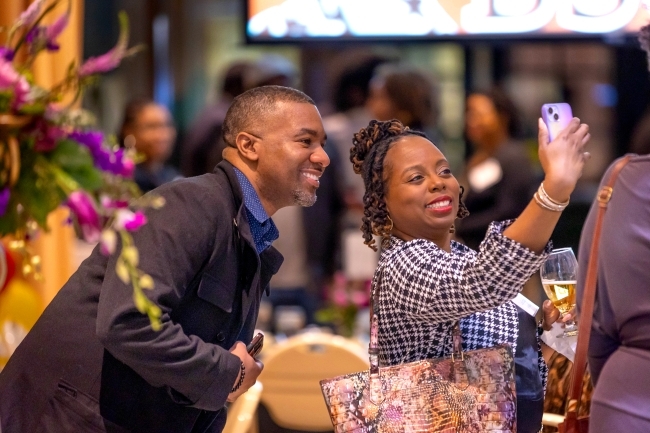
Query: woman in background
{"x": 149, "y": 128}
{"x": 405, "y": 94}
{"x": 499, "y": 175}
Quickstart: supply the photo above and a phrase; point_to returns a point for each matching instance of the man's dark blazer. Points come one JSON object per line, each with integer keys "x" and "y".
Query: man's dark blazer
{"x": 91, "y": 351}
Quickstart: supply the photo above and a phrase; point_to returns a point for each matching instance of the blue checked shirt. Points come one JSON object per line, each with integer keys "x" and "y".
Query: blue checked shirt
{"x": 262, "y": 227}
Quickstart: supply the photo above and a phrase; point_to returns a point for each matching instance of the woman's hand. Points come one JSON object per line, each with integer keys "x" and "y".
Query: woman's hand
{"x": 552, "y": 315}
{"x": 563, "y": 158}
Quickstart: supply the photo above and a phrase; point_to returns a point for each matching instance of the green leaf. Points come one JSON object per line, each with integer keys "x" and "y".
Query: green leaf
{"x": 5, "y": 100}
{"x": 76, "y": 161}
{"x": 37, "y": 191}
{"x": 35, "y": 108}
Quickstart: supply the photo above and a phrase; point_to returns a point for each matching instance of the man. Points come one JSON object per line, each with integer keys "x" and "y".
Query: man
{"x": 92, "y": 362}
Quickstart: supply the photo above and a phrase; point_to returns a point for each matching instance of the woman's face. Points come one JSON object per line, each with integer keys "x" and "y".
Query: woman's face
{"x": 482, "y": 121}
{"x": 422, "y": 196}
{"x": 154, "y": 132}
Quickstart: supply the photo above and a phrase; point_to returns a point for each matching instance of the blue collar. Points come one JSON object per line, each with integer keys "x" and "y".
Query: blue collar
{"x": 262, "y": 227}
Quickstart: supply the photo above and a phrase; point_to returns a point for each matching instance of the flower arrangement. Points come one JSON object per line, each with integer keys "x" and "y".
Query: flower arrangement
{"x": 344, "y": 302}
{"x": 51, "y": 156}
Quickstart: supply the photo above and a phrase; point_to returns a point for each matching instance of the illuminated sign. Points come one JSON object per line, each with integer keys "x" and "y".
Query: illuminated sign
{"x": 287, "y": 19}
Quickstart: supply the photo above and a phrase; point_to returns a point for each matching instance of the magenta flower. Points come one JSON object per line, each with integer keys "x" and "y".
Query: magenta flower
{"x": 340, "y": 297}
{"x": 12, "y": 80}
{"x": 4, "y": 200}
{"x": 111, "y": 59}
{"x": 46, "y": 136}
{"x": 7, "y": 53}
{"x": 360, "y": 298}
{"x": 83, "y": 207}
{"x": 128, "y": 220}
{"x": 109, "y": 203}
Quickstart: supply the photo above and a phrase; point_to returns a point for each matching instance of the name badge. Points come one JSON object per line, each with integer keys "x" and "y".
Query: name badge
{"x": 526, "y": 304}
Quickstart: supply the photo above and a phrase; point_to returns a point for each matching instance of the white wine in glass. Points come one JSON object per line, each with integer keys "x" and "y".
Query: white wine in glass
{"x": 559, "y": 276}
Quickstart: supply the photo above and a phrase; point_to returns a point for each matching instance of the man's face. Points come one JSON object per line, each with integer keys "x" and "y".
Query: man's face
{"x": 291, "y": 155}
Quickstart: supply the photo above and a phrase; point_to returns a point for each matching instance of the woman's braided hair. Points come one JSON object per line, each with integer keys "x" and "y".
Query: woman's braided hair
{"x": 367, "y": 155}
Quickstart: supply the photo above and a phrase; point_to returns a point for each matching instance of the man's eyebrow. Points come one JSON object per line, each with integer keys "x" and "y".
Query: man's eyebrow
{"x": 309, "y": 131}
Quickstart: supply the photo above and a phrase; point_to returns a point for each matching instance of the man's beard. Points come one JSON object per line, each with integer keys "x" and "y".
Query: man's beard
{"x": 303, "y": 198}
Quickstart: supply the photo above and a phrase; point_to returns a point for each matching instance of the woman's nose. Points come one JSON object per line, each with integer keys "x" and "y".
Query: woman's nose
{"x": 437, "y": 184}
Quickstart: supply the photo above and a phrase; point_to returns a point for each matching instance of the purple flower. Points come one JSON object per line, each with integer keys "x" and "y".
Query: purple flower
{"x": 128, "y": 220}
{"x": 12, "y": 80}
{"x": 106, "y": 160}
{"x": 52, "y": 32}
{"x": 91, "y": 139}
{"x": 4, "y": 200}
{"x": 7, "y": 53}
{"x": 28, "y": 17}
{"x": 111, "y": 59}
{"x": 83, "y": 208}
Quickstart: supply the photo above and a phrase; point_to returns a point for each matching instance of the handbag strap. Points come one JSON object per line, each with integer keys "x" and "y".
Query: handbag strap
{"x": 373, "y": 346}
{"x": 589, "y": 295}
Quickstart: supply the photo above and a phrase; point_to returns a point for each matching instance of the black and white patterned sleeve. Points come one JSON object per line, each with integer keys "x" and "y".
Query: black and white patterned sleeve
{"x": 431, "y": 284}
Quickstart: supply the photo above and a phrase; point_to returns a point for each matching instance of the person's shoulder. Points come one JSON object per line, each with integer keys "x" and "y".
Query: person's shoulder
{"x": 206, "y": 190}
{"x": 410, "y": 252}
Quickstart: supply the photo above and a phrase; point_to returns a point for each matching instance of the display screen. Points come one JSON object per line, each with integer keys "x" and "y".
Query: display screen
{"x": 286, "y": 20}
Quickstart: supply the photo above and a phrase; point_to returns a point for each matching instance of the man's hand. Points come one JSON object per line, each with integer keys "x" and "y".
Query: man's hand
{"x": 253, "y": 369}
{"x": 552, "y": 315}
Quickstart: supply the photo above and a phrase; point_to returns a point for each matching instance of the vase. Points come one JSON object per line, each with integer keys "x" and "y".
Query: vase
{"x": 10, "y": 124}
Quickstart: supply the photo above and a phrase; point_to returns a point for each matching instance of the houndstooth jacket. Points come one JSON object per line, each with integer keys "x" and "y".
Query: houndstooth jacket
{"x": 425, "y": 290}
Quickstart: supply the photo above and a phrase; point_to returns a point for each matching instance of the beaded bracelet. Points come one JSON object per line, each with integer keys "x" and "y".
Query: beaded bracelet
{"x": 241, "y": 378}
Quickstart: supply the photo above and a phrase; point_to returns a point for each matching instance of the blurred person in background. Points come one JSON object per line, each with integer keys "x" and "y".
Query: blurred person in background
{"x": 498, "y": 174}
{"x": 201, "y": 150}
{"x": 351, "y": 93}
{"x": 148, "y": 127}
{"x": 408, "y": 95}
{"x": 619, "y": 344}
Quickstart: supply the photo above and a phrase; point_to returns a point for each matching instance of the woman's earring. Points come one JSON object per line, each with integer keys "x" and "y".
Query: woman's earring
{"x": 462, "y": 209}
{"x": 452, "y": 229}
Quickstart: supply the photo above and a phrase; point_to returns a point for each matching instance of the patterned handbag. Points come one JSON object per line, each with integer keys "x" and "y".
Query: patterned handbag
{"x": 470, "y": 392}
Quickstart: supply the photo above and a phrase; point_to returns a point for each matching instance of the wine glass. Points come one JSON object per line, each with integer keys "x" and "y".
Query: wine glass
{"x": 559, "y": 277}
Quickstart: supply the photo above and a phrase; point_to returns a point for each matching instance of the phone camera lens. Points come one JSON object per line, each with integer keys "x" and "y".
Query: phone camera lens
{"x": 555, "y": 116}
{"x": 550, "y": 110}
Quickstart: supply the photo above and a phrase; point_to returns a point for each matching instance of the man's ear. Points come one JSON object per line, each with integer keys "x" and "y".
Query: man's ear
{"x": 248, "y": 146}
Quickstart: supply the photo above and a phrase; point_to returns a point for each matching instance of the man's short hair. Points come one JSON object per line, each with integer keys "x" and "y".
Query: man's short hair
{"x": 252, "y": 105}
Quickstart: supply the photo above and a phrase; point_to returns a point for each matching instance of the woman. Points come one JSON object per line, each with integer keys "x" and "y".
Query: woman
{"x": 404, "y": 94}
{"x": 499, "y": 174}
{"x": 148, "y": 127}
{"x": 430, "y": 282}
{"x": 619, "y": 347}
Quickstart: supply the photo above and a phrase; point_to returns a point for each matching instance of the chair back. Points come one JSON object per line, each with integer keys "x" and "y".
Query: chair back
{"x": 241, "y": 414}
{"x": 293, "y": 370}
